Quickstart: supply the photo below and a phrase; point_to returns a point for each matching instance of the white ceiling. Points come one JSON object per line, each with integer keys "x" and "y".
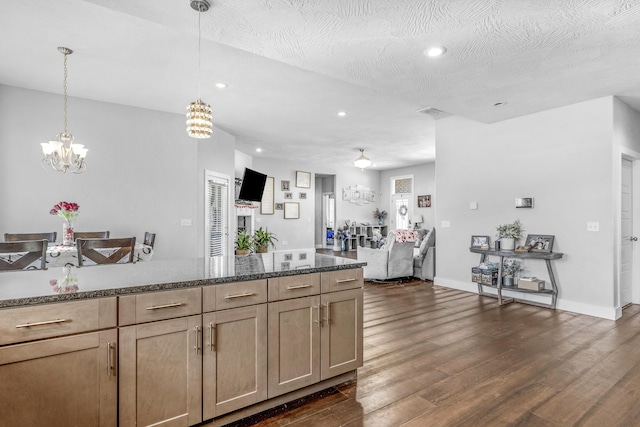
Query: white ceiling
{"x": 291, "y": 65}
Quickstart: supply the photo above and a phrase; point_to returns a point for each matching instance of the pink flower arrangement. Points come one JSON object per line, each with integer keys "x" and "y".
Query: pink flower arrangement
{"x": 66, "y": 210}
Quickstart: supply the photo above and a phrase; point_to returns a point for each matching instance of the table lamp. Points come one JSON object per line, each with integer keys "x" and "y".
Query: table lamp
{"x": 416, "y": 219}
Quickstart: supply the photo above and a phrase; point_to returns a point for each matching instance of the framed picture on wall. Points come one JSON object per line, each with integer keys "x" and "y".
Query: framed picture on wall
{"x": 288, "y": 195}
{"x": 303, "y": 179}
{"x": 424, "y": 201}
{"x": 279, "y": 206}
{"x": 302, "y": 195}
{"x": 291, "y": 210}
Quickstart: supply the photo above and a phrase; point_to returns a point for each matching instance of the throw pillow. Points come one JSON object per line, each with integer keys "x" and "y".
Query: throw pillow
{"x": 423, "y": 247}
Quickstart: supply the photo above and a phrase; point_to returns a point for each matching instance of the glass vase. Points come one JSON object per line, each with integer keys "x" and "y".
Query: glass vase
{"x": 380, "y": 221}
{"x": 67, "y": 233}
{"x": 342, "y": 246}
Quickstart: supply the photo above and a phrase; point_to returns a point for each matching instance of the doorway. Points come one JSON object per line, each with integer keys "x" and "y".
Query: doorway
{"x": 628, "y": 240}
{"x": 401, "y": 202}
{"x": 325, "y": 210}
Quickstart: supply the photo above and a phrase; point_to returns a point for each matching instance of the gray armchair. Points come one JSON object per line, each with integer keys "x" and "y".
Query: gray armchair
{"x": 391, "y": 261}
{"x": 424, "y": 263}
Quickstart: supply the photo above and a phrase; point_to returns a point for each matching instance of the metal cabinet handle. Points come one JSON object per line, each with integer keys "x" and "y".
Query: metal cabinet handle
{"x": 46, "y": 322}
{"x": 212, "y": 337}
{"x": 242, "y": 295}
{"x": 328, "y": 313}
{"x": 633, "y": 239}
{"x": 109, "y": 362}
{"x": 197, "y": 331}
{"x": 345, "y": 280}
{"x": 317, "y": 321}
{"x": 291, "y": 288}
{"x": 172, "y": 305}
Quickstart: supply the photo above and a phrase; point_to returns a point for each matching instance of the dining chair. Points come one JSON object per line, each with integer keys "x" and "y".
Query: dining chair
{"x": 90, "y": 235}
{"x": 19, "y": 237}
{"x": 149, "y": 238}
{"x": 98, "y": 250}
{"x": 30, "y": 251}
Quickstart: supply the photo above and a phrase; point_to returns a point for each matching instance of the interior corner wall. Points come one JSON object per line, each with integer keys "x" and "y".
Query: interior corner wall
{"x": 424, "y": 183}
{"x": 299, "y": 233}
{"x": 562, "y": 158}
{"x": 142, "y": 175}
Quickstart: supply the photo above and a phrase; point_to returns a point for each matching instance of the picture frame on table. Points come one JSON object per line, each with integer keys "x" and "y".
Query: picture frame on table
{"x": 540, "y": 242}
{"x": 303, "y": 179}
{"x": 480, "y": 242}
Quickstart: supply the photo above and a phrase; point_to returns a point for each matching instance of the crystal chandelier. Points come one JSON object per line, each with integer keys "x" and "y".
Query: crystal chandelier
{"x": 362, "y": 161}
{"x": 199, "y": 123}
{"x": 62, "y": 154}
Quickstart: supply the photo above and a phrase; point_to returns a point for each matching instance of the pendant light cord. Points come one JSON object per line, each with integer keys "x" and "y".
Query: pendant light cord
{"x": 65, "y": 92}
{"x": 199, "y": 59}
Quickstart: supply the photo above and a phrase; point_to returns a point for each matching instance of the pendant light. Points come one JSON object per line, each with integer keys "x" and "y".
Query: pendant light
{"x": 62, "y": 154}
{"x": 362, "y": 162}
{"x": 199, "y": 124}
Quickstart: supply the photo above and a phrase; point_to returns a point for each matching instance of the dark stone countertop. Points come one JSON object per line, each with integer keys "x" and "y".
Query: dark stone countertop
{"x": 23, "y": 288}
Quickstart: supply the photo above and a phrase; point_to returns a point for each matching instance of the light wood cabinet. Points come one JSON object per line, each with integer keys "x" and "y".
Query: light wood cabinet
{"x": 60, "y": 381}
{"x": 161, "y": 373}
{"x": 341, "y": 338}
{"x": 234, "y": 359}
{"x": 294, "y": 344}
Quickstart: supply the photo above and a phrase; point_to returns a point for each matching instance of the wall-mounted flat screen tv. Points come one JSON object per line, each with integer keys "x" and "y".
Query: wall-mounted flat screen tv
{"x": 252, "y": 186}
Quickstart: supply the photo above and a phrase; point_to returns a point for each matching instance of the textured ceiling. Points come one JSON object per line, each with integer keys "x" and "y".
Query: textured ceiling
{"x": 291, "y": 65}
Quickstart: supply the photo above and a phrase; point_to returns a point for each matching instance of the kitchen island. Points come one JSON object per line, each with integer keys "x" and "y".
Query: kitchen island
{"x": 176, "y": 342}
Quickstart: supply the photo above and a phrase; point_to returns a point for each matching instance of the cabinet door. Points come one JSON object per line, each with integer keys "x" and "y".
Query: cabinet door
{"x": 341, "y": 332}
{"x": 60, "y": 382}
{"x": 234, "y": 359}
{"x": 161, "y": 373}
{"x": 294, "y": 344}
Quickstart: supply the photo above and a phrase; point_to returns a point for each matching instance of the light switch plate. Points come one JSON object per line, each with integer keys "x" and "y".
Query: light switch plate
{"x": 445, "y": 224}
{"x": 473, "y": 205}
{"x": 186, "y": 222}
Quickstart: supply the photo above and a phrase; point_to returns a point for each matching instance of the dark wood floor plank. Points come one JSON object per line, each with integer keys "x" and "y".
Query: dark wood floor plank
{"x": 441, "y": 357}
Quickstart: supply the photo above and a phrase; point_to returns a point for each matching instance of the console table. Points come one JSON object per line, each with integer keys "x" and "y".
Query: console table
{"x": 546, "y": 256}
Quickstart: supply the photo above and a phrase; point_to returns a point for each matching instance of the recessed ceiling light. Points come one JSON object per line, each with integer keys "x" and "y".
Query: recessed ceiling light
{"x": 342, "y": 113}
{"x": 221, "y": 85}
{"x": 259, "y": 150}
{"x": 435, "y": 51}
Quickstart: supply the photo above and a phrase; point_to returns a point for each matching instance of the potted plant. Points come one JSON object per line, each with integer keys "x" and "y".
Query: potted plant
{"x": 508, "y": 234}
{"x": 243, "y": 243}
{"x": 510, "y": 268}
{"x": 262, "y": 239}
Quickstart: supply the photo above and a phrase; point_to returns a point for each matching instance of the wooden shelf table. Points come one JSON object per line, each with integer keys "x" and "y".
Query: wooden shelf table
{"x": 546, "y": 256}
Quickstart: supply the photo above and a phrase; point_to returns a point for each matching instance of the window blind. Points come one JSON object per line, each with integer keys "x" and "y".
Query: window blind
{"x": 217, "y": 215}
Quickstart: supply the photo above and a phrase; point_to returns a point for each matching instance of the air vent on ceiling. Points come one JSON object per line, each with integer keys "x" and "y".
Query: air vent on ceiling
{"x": 434, "y": 112}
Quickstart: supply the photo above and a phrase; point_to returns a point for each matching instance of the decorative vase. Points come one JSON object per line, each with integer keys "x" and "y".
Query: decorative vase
{"x": 342, "y": 246}
{"x": 242, "y": 251}
{"x": 507, "y": 281}
{"x": 67, "y": 233}
{"x": 507, "y": 244}
{"x": 262, "y": 249}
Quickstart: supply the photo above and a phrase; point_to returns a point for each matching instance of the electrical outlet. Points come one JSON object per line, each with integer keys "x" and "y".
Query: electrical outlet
{"x": 186, "y": 222}
{"x": 445, "y": 224}
{"x": 284, "y": 243}
{"x": 593, "y": 226}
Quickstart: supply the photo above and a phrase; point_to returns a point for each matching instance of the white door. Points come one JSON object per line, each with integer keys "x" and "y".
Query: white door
{"x": 401, "y": 202}
{"x": 626, "y": 233}
{"x": 216, "y": 216}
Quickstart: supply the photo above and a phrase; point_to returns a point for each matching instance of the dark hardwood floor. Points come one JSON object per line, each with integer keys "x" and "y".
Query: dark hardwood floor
{"x": 441, "y": 357}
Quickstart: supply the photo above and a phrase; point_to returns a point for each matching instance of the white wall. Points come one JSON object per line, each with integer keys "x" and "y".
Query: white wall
{"x": 424, "y": 182}
{"x": 563, "y": 159}
{"x": 299, "y": 233}
{"x": 144, "y": 172}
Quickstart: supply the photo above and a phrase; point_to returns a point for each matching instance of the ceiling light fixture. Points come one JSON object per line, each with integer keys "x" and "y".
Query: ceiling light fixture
{"x": 435, "y": 51}
{"x": 62, "y": 154}
{"x": 362, "y": 161}
{"x": 199, "y": 124}
{"x": 221, "y": 85}
{"x": 342, "y": 113}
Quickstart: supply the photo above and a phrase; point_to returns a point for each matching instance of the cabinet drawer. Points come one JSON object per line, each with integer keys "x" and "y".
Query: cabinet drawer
{"x": 54, "y": 320}
{"x": 341, "y": 280}
{"x": 152, "y": 306}
{"x": 303, "y": 285}
{"x": 232, "y": 295}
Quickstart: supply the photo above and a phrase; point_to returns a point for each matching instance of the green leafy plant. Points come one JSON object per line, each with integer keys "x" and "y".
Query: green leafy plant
{"x": 510, "y": 268}
{"x": 262, "y": 239}
{"x": 510, "y": 231}
{"x": 243, "y": 241}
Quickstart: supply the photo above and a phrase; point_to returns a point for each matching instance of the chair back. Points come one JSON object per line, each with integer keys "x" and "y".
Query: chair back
{"x": 20, "y": 255}
{"x": 19, "y": 237}
{"x": 106, "y": 251}
{"x": 90, "y": 235}
{"x": 149, "y": 238}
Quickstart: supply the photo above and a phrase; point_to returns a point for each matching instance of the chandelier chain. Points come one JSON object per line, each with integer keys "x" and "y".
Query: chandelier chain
{"x": 65, "y": 92}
